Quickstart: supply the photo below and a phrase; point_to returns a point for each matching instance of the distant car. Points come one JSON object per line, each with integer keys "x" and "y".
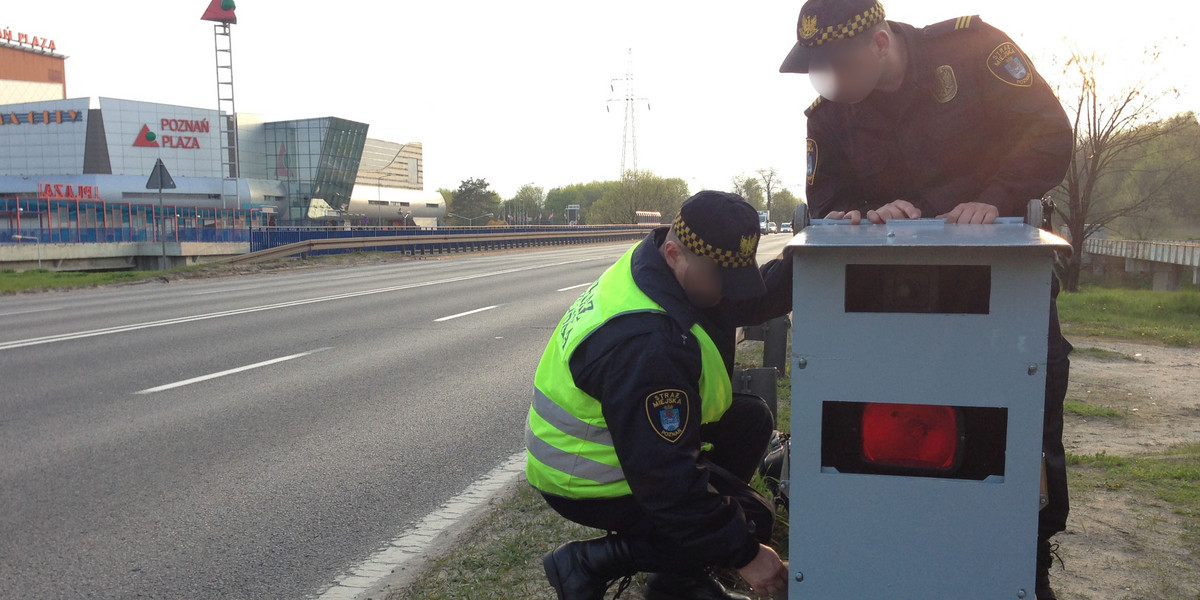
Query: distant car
{"x": 772, "y": 227}
{"x": 785, "y": 228}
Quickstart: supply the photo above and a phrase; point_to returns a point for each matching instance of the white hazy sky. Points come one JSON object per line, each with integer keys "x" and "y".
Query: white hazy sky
{"x": 515, "y": 92}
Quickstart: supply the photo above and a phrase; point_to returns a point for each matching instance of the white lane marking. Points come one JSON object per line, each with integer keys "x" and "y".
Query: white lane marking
{"x": 372, "y": 577}
{"x": 25, "y": 312}
{"x": 241, "y": 311}
{"x": 257, "y": 365}
{"x": 574, "y": 287}
{"x": 463, "y": 314}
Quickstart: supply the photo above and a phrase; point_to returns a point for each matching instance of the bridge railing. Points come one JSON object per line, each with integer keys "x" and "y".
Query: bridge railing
{"x": 1160, "y": 251}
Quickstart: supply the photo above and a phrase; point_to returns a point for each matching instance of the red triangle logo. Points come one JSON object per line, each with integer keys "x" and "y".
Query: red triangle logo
{"x": 218, "y": 14}
{"x": 141, "y": 142}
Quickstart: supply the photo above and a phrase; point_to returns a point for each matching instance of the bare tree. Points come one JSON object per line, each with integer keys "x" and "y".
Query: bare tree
{"x": 769, "y": 177}
{"x": 1111, "y": 132}
{"x": 750, "y": 189}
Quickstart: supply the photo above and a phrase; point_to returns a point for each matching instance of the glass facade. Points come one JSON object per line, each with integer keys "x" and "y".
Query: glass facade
{"x": 317, "y": 161}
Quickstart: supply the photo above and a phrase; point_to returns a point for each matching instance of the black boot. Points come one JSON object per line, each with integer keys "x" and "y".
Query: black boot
{"x": 584, "y": 570}
{"x": 1045, "y": 560}
{"x": 697, "y": 586}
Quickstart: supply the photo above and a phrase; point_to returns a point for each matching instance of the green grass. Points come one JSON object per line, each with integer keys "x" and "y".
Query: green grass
{"x": 43, "y": 279}
{"x": 1083, "y": 409}
{"x": 1172, "y": 476}
{"x": 1172, "y": 318}
{"x": 1101, "y": 354}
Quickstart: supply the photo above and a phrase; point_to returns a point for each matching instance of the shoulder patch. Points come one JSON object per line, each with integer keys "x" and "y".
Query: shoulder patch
{"x": 813, "y": 107}
{"x": 1008, "y": 64}
{"x": 668, "y": 411}
{"x": 951, "y": 25}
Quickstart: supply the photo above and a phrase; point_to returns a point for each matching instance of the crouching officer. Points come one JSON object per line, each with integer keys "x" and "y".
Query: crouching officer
{"x": 633, "y": 427}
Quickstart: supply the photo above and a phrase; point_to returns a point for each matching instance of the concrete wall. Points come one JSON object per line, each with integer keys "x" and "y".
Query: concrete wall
{"x": 114, "y": 256}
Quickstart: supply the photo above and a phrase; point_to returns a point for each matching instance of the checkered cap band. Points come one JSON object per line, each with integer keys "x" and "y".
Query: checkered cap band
{"x": 726, "y": 259}
{"x": 841, "y": 31}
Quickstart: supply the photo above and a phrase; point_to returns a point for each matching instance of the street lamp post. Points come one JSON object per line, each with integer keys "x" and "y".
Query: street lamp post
{"x": 470, "y": 220}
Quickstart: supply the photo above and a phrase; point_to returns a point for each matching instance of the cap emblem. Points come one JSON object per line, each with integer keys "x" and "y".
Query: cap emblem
{"x": 808, "y": 26}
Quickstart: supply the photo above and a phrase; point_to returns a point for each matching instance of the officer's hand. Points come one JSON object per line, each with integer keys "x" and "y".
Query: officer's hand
{"x": 973, "y": 213}
{"x": 854, "y": 216}
{"x": 766, "y": 574}
{"x": 897, "y": 209}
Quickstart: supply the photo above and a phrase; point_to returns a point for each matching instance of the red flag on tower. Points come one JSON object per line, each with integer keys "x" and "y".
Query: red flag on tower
{"x": 220, "y": 11}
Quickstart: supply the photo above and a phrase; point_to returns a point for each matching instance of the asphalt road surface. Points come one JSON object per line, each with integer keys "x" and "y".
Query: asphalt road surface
{"x": 255, "y": 436}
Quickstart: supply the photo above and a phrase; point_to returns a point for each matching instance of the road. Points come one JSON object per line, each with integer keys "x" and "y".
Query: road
{"x": 255, "y": 436}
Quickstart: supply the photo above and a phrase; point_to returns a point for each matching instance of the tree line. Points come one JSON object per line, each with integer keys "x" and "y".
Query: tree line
{"x": 1134, "y": 174}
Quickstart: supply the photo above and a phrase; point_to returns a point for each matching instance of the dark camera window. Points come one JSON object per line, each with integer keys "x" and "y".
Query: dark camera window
{"x": 943, "y": 289}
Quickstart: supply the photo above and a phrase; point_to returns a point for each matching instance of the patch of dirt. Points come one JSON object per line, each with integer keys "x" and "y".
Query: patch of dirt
{"x": 1157, "y": 392}
{"x": 1120, "y": 544}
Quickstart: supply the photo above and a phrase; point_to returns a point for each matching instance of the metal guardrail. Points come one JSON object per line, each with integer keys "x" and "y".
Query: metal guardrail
{"x": 263, "y": 238}
{"x": 442, "y": 244}
{"x": 1169, "y": 252}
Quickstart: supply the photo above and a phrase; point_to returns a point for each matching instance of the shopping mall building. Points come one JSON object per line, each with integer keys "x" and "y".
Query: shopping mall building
{"x": 83, "y": 164}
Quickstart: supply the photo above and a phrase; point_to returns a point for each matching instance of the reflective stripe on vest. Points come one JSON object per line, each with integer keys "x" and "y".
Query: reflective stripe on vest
{"x": 569, "y": 449}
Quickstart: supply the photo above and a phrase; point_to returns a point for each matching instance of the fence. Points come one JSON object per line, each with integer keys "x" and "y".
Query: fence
{"x": 277, "y": 242}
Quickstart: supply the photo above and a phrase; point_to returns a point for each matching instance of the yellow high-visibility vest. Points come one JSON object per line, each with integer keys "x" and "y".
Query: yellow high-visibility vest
{"x": 570, "y": 451}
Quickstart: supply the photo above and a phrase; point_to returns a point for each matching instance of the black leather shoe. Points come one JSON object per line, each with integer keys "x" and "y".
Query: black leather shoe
{"x": 698, "y": 586}
{"x": 584, "y": 570}
{"x": 1045, "y": 559}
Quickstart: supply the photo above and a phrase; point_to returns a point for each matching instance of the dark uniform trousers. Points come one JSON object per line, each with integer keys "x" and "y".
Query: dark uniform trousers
{"x": 739, "y": 442}
{"x": 1053, "y": 518}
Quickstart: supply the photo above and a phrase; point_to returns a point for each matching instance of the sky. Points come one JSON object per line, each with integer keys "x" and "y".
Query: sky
{"x": 519, "y": 92}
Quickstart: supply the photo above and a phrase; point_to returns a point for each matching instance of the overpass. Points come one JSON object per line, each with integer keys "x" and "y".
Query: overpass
{"x": 1166, "y": 259}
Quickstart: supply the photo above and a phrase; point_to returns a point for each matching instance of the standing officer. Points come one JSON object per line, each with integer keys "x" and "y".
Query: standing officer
{"x": 950, "y": 120}
{"x": 633, "y": 427}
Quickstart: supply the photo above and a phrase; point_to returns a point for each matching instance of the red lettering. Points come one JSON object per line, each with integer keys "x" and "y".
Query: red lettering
{"x": 47, "y": 190}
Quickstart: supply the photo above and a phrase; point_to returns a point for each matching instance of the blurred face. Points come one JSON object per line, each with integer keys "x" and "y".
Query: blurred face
{"x": 699, "y": 276}
{"x": 854, "y": 72}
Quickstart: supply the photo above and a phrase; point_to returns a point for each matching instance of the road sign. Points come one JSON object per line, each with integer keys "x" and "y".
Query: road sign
{"x": 160, "y": 179}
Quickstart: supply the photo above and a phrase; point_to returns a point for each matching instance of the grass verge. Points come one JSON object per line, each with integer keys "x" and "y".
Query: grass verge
{"x": 1172, "y": 318}
{"x": 12, "y": 282}
{"x": 500, "y": 557}
{"x": 1102, "y": 354}
{"x": 1083, "y": 409}
{"x": 1172, "y": 476}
